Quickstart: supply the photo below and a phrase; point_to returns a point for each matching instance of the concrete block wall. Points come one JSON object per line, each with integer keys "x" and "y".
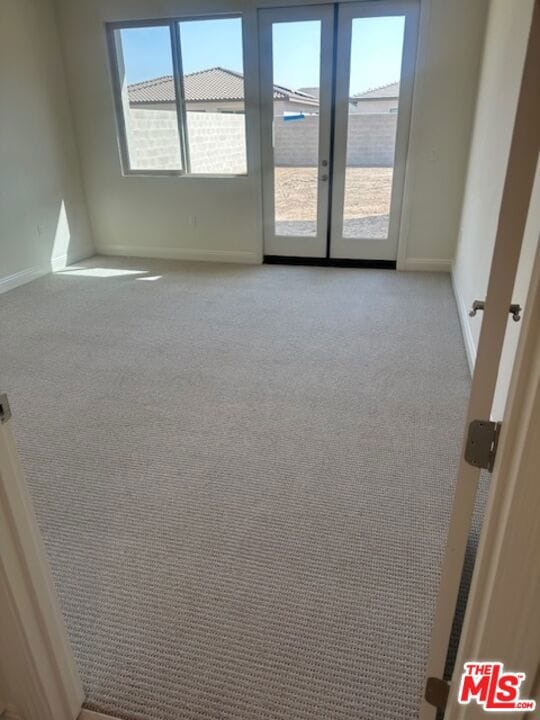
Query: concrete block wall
{"x": 217, "y": 141}
{"x": 371, "y": 141}
{"x": 153, "y": 139}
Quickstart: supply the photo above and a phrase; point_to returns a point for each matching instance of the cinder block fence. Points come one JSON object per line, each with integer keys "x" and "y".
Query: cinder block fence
{"x": 217, "y": 141}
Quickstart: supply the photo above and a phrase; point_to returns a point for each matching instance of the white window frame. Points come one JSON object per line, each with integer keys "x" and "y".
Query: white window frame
{"x": 173, "y": 23}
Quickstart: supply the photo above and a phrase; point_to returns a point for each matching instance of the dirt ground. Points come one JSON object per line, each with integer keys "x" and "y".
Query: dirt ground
{"x": 367, "y": 201}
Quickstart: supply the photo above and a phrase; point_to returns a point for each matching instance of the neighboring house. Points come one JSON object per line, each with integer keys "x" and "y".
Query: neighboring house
{"x": 314, "y": 91}
{"x": 214, "y": 90}
{"x": 383, "y": 99}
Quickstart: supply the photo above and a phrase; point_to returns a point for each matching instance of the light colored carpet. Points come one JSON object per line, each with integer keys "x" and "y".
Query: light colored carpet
{"x": 243, "y": 476}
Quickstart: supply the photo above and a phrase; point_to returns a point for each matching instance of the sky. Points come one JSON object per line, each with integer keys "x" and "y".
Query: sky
{"x": 376, "y": 48}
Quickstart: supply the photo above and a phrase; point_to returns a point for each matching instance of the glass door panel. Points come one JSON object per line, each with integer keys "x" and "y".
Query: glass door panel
{"x": 296, "y": 126}
{"x": 296, "y": 91}
{"x": 374, "y": 79}
{"x": 335, "y": 127}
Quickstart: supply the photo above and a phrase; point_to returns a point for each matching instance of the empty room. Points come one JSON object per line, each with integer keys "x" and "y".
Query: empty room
{"x": 269, "y": 351}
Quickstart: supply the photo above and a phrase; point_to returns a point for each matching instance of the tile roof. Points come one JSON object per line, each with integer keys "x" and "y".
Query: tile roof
{"x": 384, "y": 92}
{"x": 206, "y": 85}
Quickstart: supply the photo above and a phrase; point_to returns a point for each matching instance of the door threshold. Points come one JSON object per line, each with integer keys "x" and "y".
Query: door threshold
{"x": 329, "y": 262}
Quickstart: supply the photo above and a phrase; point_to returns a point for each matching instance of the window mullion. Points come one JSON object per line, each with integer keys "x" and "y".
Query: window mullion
{"x": 179, "y": 95}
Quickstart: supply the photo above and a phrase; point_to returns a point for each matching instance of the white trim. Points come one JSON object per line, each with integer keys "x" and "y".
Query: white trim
{"x": 170, "y": 253}
{"x": 33, "y": 273}
{"x": 21, "y": 278}
{"x": 364, "y": 248}
{"x": 463, "y": 314}
{"x": 36, "y": 661}
{"x": 426, "y": 265}
{"x": 62, "y": 261}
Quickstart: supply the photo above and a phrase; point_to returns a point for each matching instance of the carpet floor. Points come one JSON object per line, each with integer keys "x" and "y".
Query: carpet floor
{"x": 243, "y": 476}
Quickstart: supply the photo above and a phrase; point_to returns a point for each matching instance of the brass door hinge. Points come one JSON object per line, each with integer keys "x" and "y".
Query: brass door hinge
{"x": 482, "y": 441}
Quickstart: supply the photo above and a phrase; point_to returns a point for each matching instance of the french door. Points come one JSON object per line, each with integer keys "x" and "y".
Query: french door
{"x": 336, "y": 93}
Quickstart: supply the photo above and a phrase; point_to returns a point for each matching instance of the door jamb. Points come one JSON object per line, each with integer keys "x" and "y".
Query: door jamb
{"x": 501, "y": 620}
{"x": 519, "y": 181}
{"x": 37, "y": 667}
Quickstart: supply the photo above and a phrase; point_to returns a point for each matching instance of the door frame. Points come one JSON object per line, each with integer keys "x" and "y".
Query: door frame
{"x": 36, "y": 662}
{"x": 513, "y": 212}
{"x": 336, "y": 23}
{"x": 501, "y": 620}
{"x": 372, "y": 249}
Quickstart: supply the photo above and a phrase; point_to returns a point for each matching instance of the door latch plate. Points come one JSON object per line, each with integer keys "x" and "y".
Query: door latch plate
{"x": 481, "y": 446}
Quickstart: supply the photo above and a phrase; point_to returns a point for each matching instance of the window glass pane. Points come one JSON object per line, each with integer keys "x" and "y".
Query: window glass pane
{"x": 145, "y": 71}
{"x": 296, "y": 53}
{"x": 213, "y": 69}
{"x": 376, "y": 49}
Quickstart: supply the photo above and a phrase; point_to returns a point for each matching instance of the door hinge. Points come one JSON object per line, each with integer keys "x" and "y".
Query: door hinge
{"x": 5, "y": 410}
{"x": 514, "y": 309}
{"x": 482, "y": 441}
{"x": 437, "y": 692}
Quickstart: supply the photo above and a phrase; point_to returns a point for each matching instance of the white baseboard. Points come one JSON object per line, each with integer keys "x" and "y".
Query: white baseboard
{"x": 21, "y": 278}
{"x": 61, "y": 262}
{"x": 25, "y": 276}
{"x": 169, "y": 253}
{"x": 463, "y": 314}
{"x": 426, "y": 265}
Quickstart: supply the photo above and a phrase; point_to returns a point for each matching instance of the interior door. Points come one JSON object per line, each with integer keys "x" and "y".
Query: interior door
{"x": 376, "y": 48}
{"x": 39, "y": 672}
{"x": 513, "y": 214}
{"x": 296, "y": 47}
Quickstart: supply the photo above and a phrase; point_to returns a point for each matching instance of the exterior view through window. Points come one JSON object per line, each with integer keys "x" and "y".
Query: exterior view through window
{"x": 372, "y": 122}
{"x": 336, "y": 93}
{"x": 296, "y": 126}
{"x": 180, "y": 96}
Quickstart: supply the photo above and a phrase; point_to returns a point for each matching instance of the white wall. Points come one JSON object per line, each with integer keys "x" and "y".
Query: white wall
{"x": 504, "y": 54}
{"x": 184, "y": 217}
{"x": 449, "y": 56}
{"x": 221, "y": 219}
{"x": 42, "y": 210}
